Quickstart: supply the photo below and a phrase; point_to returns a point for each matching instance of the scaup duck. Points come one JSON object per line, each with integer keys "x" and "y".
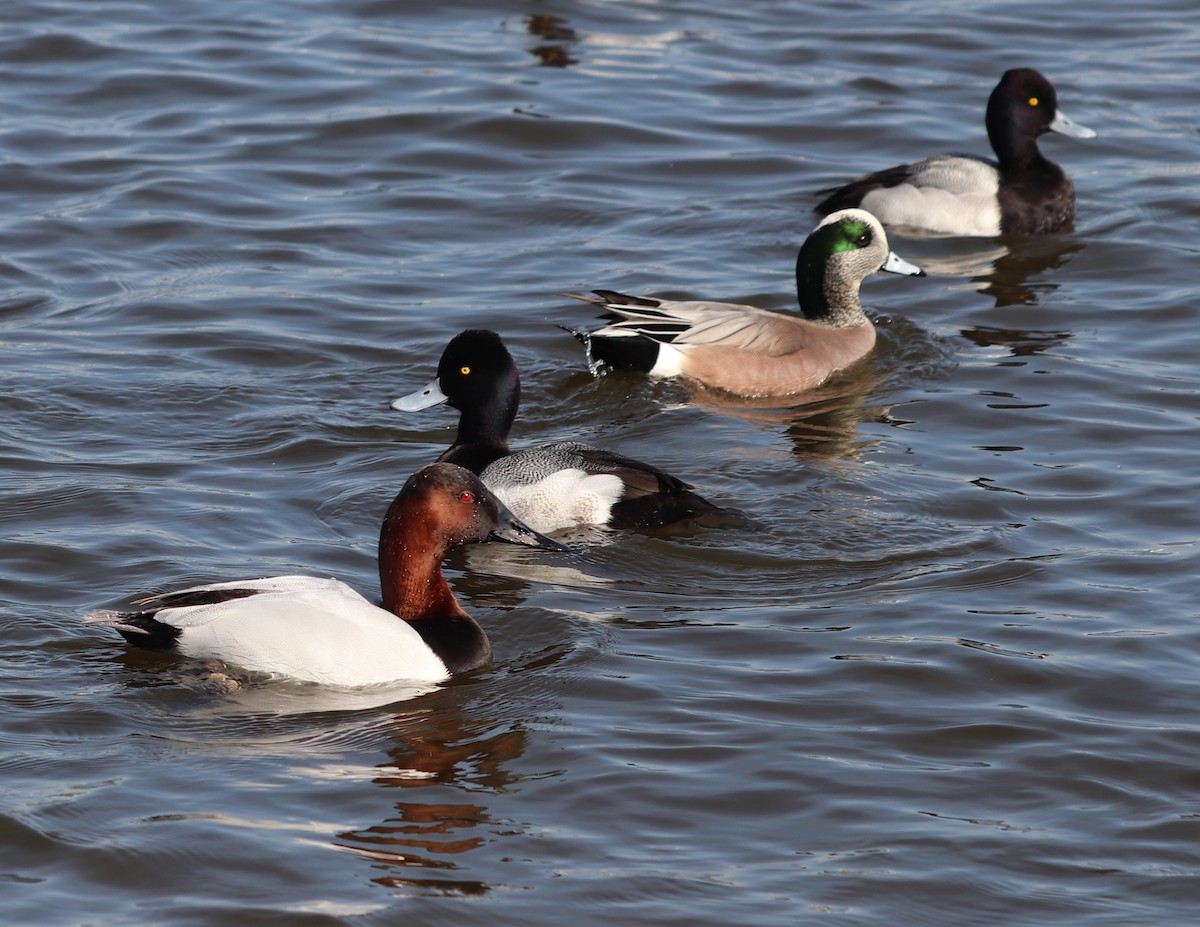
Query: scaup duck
{"x": 321, "y": 630}
{"x": 556, "y": 486}
{"x": 1019, "y": 193}
{"x": 748, "y": 351}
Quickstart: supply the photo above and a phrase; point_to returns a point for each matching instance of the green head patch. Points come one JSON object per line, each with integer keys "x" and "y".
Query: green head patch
{"x": 812, "y": 264}
{"x": 843, "y": 235}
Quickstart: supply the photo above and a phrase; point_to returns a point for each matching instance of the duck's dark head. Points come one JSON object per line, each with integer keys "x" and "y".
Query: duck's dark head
{"x": 446, "y": 505}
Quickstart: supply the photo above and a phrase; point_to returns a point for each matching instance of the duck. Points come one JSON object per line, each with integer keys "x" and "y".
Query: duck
{"x": 752, "y": 352}
{"x": 1021, "y": 192}
{"x": 553, "y": 487}
{"x": 321, "y": 630}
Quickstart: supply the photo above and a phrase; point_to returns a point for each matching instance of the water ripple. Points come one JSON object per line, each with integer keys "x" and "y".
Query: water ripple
{"x": 943, "y": 671}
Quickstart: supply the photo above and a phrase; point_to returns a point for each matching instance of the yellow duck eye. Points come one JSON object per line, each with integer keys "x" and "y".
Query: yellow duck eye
{"x": 1033, "y": 101}
{"x": 464, "y": 370}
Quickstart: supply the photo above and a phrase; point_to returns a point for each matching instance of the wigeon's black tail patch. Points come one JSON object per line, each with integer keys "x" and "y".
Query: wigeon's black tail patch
{"x": 605, "y": 297}
{"x": 624, "y": 347}
{"x": 626, "y": 352}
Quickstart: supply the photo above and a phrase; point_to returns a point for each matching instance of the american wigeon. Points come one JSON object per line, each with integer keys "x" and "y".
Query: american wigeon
{"x": 749, "y": 351}
{"x": 1019, "y": 193}
{"x": 321, "y": 630}
{"x": 555, "y": 486}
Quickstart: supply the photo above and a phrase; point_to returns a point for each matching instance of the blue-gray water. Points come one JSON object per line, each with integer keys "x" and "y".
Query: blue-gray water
{"x": 949, "y": 677}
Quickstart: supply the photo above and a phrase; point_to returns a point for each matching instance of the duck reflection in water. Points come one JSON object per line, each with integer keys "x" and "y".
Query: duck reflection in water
{"x": 1016, "y": 272}
{"x": 426, "y": 844}
{"x": 822, "y": 424}
{"x": 1021, "y": 278}
{"x": 555, "y": 52}
{"x": 1013, "y": 273}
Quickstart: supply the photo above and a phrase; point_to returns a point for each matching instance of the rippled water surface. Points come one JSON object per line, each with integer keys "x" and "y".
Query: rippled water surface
{"x": 949, "y": 673}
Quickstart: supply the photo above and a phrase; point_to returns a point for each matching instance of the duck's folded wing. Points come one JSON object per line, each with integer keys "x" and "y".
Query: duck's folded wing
{"x": 956, "y": 174}
{"x": 850, "y": 195}
{"x": 536, "y": 463}
{"x": 198, "y": 605}
{"x": 703, "y": 322}
{"x": 640, "y": 478}
{"x": 961, "y": 175}
{"x": 650, "y": 497}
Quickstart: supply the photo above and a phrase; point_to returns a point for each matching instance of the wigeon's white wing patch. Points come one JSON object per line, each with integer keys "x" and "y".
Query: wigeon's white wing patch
{"x": 668, "y": 363}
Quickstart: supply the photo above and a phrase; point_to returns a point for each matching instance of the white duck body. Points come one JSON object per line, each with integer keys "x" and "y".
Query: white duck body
{"x": 309, "y": 628}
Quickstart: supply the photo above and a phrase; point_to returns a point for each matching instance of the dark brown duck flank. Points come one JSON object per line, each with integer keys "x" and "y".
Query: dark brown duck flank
{"x": 321, "y": 630}
{"x": 555, "y": 486}
{"x": 1021, "y": 192}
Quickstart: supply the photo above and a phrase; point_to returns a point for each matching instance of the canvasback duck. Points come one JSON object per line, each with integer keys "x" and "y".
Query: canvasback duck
{"x": 556, "y": 486}
{"x": 321, "y": 630}
{"x": 1020, "y": 193}
{"x": 748, "y": 351}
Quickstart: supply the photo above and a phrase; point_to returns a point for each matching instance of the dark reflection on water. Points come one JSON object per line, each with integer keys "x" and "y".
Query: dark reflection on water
{"x": 1016, "y": 272}
{"x": 559, "y": 38}
{"x": 822, "y": 424}
{"x": 1017, "y": 342}
{"x": 425, "y": 837}
{"x": 1007, "y": 282}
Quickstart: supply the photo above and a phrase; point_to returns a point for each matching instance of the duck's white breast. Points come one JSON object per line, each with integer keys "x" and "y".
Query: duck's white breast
{"x": 564, "y": 498}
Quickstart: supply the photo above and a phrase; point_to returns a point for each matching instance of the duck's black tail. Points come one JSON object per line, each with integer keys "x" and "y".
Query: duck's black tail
{"x": 623, "y": 349}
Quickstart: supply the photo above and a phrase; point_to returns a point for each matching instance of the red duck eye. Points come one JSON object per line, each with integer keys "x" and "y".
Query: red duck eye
{"x": 466, "y": 496}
